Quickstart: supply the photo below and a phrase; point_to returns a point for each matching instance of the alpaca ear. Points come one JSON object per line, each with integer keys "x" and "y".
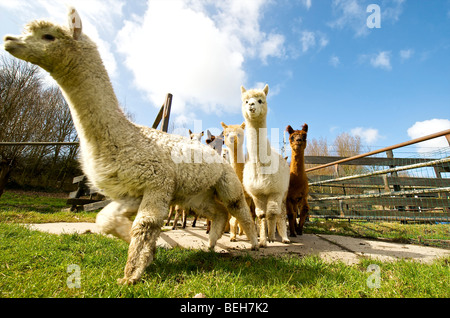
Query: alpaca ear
{"x": 202, "y": 133}
{"x": 305, "y": 128}
{"x": 243, "y": 125}
{"x": 223, "y": 125}
{"x": 266, "y": 89}
{"x": 190, "y": 132}
{"x": 243, "y": 90}
{"x": 75, "y": 23}
{"x": 208, "y": 133}
{"x": 289, "y": 129}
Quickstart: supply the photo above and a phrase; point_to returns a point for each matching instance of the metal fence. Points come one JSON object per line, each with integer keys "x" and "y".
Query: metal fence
{"x": 383, "y": 187}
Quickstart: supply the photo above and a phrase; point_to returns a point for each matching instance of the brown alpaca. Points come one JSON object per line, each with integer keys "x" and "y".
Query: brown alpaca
{"x": 297, "y": 198}
{"x": 234, "y": 140}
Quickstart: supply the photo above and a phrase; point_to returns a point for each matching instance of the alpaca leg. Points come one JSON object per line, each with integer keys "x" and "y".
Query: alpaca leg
{"x": 177, "y": 216}
{"x": 195, "y": 218}
{"x": 281, "y": 225}
{"x": 292, "y": 216}
{"x": 216, "y": 213}
{"x": 115, "y": 218}
{"x": 172, "y": 208}
{"x": 230, "y": 192}
{"x": 273, "y": 211}
{"x": 242, "y": 214}
{"x": 218, "y": 224}
{"x": 184, "y": 217}
{"x": 227, "y": 224}
{"x": 271, "y": 227}
{"x": 233, "y": 229}
{"x": 262, "y": 221}
{"x": 208, "y": 226}
{"x": 303, "y": 215}
{"x": 251, "y": 205}
{"x": 144, "y": 234}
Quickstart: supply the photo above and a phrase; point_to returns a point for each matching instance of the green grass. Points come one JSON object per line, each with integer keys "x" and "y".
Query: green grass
{"x": 19, "y": 207}
{"x": 22, "y": 207}
{"x": 437, "y": 235}
{"x": 34, "y": 264}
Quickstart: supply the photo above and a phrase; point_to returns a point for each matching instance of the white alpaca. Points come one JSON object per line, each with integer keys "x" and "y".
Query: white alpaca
{"x": 141, "y": 169}
{"x": 266, "y": 173}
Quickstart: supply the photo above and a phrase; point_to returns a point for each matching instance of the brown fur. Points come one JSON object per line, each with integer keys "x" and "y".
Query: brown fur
{"x": 297, "y": 198}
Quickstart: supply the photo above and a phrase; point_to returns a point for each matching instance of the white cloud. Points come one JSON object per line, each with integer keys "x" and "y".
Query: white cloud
{"x": 382, "y": 60}
{"x": 274, "y": 46}
{"x": 352, "y": 14}
{"x": 307, "y": 3}
{"x": 427, "y": 127}
{"x": 406, "y": 54}
{"x": 310, "y": 40}
{"x": 195, "y": 50}
{"x": 98, "y": 17}
{"x": 334, "y": 61}
{"x": 368, "y": 135}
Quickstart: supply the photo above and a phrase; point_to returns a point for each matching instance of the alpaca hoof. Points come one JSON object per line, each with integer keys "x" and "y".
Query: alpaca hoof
{"x": 286, "y": 241}
{"x": 292, "y": 234}
{"x": 254, "y": 248}
{"x": 262, "y": 244}
{"x": 126, "y": 281}
{"x": 233, "y": 239}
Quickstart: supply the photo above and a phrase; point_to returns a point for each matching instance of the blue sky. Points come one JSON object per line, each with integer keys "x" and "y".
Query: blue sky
{"x": 323, "y": 64}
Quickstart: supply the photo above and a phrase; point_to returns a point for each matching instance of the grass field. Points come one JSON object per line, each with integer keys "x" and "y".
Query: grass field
{"x": 35, "y": 264}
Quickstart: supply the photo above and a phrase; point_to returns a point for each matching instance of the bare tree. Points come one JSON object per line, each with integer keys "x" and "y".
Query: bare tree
{"x": 19, "y": 91}
{"x": 29, "y": 111}
{"x": 318, "y": 147}
{"x": 347, "y": 145}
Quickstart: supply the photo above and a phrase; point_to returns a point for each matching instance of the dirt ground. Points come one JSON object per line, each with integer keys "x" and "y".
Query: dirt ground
{"x": 329, "y": 247}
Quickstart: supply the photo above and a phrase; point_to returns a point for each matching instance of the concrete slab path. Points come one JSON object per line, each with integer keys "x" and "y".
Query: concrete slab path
{"x": 329, "y": 247}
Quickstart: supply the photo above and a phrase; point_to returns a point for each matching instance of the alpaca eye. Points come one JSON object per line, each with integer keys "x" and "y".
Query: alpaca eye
{"x": 246, "y": 101}
{"x": 260, "y": 101}
{"x": 48, "y": 37}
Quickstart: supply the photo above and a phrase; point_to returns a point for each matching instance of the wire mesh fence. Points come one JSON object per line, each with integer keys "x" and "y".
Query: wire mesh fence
{"x": 415, "y": 188}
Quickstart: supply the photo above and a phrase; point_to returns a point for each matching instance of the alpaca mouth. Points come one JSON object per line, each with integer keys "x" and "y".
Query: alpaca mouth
{"x": 11, "y": 44}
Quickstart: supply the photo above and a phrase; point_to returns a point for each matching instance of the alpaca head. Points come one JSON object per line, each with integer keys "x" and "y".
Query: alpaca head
{"x": 297, "y": 138}
{"x": 48, "y": 45}
{"x": 234, "y": 135}
{"x": 195, "y": 136}
{"x": 215, "y": 142}
{"x": 254, "y": 104}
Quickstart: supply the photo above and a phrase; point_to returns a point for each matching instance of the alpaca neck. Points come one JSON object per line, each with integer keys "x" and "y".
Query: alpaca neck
{"x": 298, "y": 162}
{"x": 237, "y": 159}
{"x": 257, "y": 143}
{"x": 92, "y": 101}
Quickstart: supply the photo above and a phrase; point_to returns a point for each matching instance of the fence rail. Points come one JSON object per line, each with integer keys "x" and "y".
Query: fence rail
{"x": 39, "y": 143}
{"x": 401, "y": 189}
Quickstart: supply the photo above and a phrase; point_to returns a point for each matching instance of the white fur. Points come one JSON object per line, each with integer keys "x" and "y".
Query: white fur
{"x": 266, "y": 173}
{"x": 131, "y": 164}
